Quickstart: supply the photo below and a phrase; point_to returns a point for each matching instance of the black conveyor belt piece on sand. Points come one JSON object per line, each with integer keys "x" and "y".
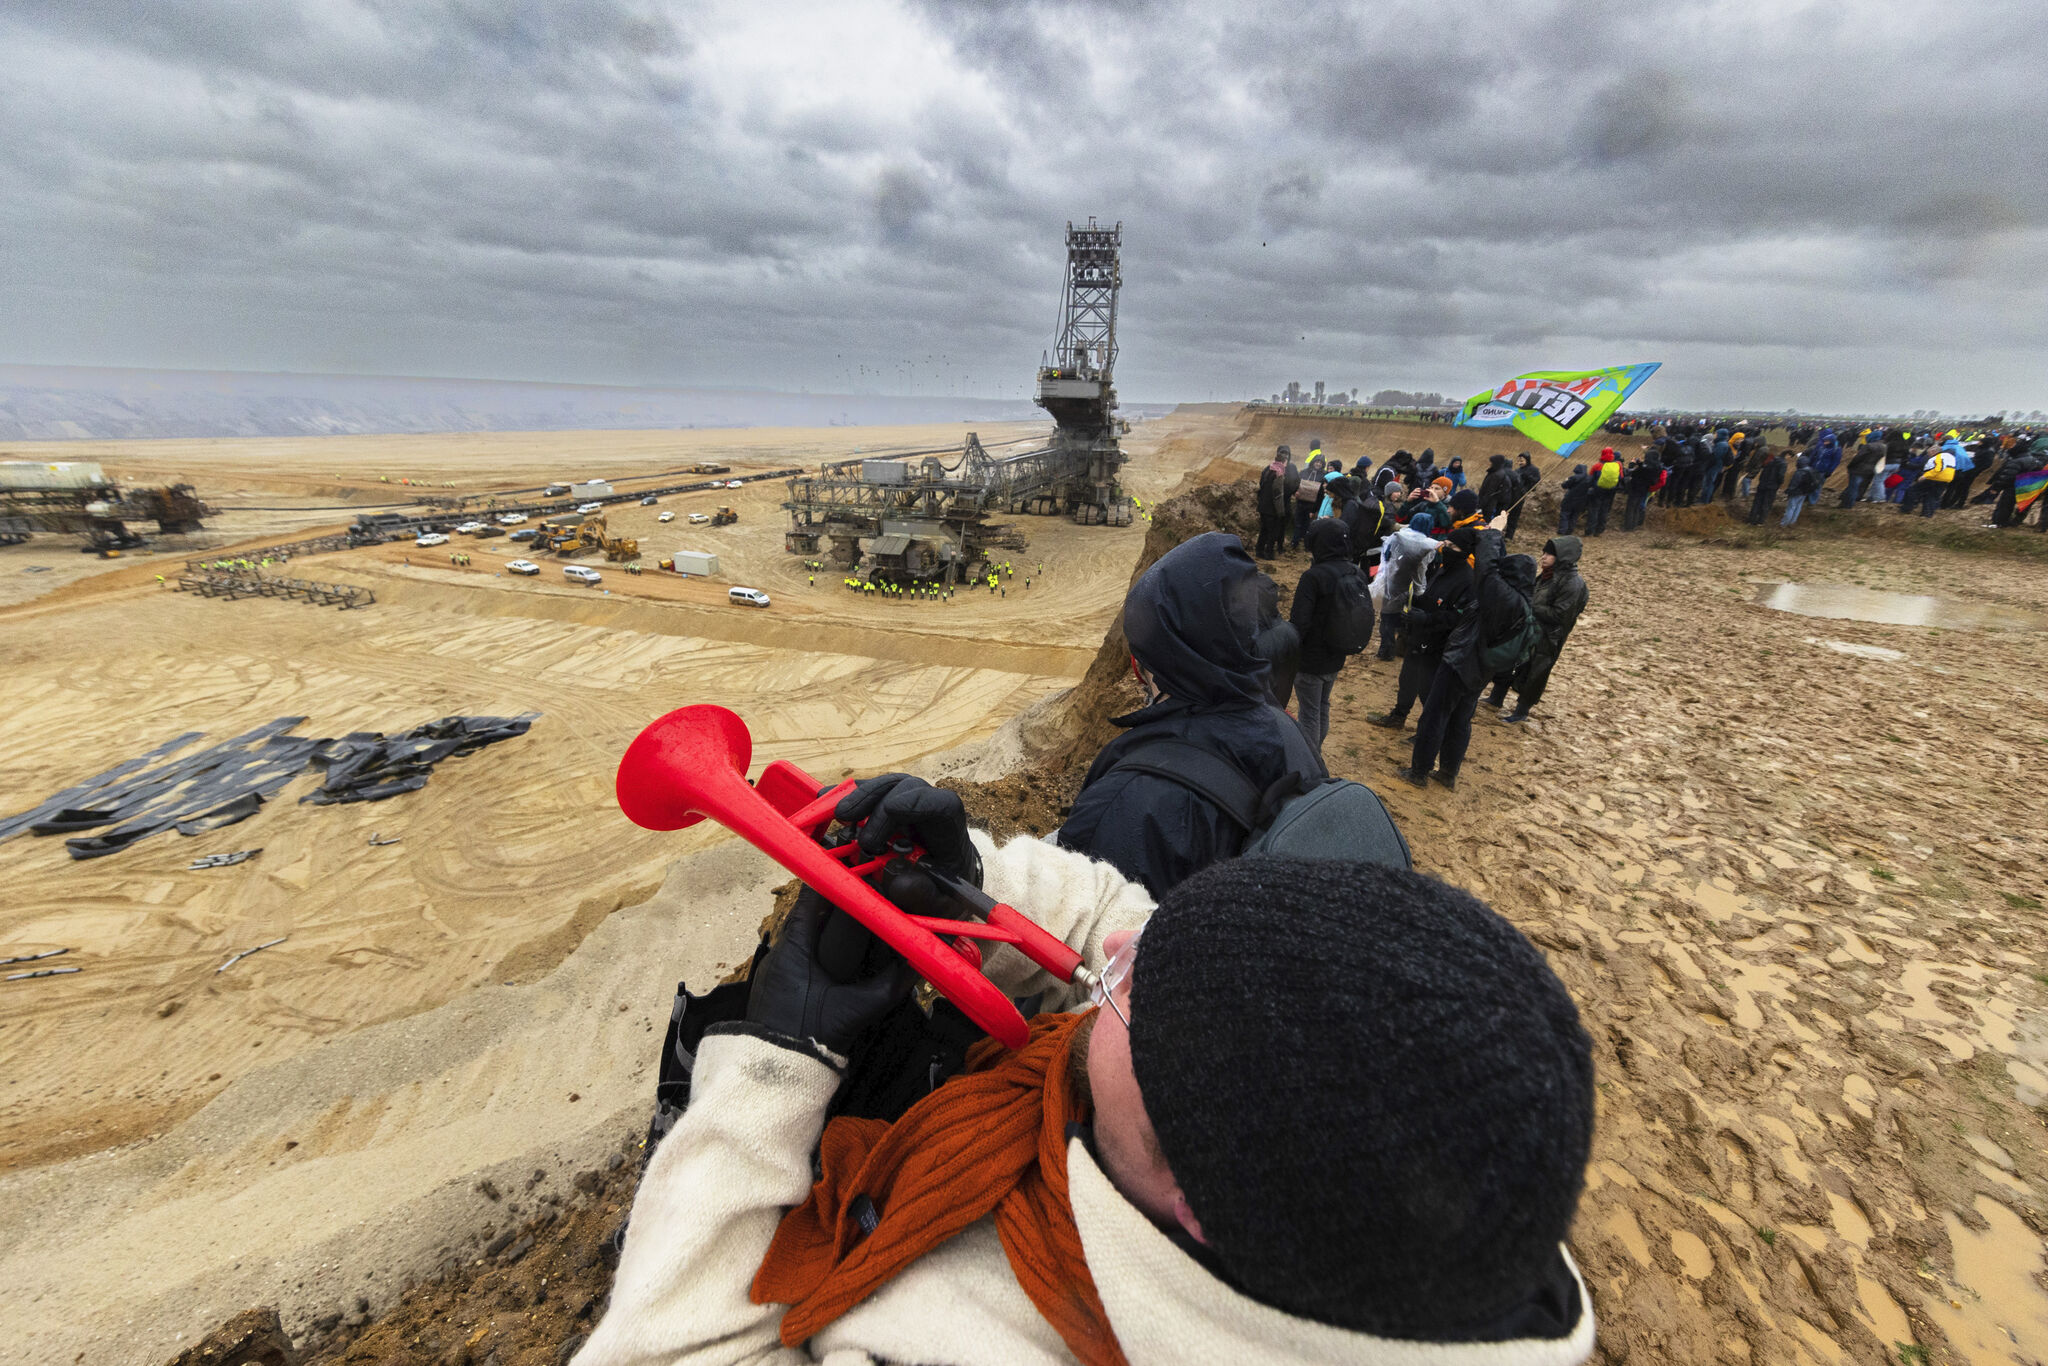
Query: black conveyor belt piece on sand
{"x": 230, "y": 781}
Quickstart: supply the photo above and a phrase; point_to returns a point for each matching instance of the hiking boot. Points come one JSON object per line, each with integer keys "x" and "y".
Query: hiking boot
{"x": 1449, "y": 780}
{"x": 1386, "y": 720}
{"x": 1411, "y": 777}
{"x": 1516, "y": 718}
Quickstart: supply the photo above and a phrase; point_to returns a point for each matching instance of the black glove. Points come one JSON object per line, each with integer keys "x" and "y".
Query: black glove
{"x": 896, "y": 804}
{"x": 792, "y": 994}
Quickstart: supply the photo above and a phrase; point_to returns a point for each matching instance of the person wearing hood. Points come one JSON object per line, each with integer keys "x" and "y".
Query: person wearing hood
{"x": 1638, "y": 484}
{"x": 1770, "y": 474}
{"x": 1277, "y": 484}
{"x": 1190, "y": 621}
{"x": 1278, "y": 643}
{"x": 1827, "y": 454}
{"x": 1606, "y": 472}
{"x": 1754, "y": 456}
{"x": 1223, "y": 1160}
{"x": 1405, "y": 558}
{"x": 1527, "y": 477}
{"x": 1502, "y": 586}
{"x": 1572, "y": 502}
{"x": 1557, "y": 600}
{"x": 1308, "y": 494}
{"x": 1425, "y": 466}
{"x": 1935, "y": 477}
{"x": 1426, "y": 619}
{"x": 1331, "y": 590}
{"x": 1717, "y": 459}
{"x": 1455, "y": 472}
{"x": 1862, "y": 469}
{"x": 1497, "y": 489}
{"x": 1804, "y": 488}
{"x": 1970, "y": 460}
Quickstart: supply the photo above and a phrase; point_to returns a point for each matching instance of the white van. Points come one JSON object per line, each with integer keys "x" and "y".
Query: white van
{"x": 749, "y": 597}
{"x": 577, "y": 573}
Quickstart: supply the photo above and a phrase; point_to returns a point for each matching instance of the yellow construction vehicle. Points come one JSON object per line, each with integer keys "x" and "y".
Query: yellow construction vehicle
{"x": 594, "y": 534}
{"x": 723, "y": 516}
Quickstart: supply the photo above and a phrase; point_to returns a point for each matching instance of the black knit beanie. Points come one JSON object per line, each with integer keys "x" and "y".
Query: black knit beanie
{"x": 1373, "y": 1091}
{"x": 1464, "y": 502}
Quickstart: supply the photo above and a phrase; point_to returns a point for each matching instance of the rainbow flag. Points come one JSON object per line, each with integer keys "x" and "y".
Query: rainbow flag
{"x": 2027, "y": 487}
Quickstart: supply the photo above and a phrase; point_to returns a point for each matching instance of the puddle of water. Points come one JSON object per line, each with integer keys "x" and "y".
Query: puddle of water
{"x": 2002, "y": 1308}
{"x": 1844, "y": 603}
{"x": 1883, "y": 1311}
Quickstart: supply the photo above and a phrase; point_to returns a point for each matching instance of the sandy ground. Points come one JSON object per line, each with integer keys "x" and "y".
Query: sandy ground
{"x": 1794, "y": 889}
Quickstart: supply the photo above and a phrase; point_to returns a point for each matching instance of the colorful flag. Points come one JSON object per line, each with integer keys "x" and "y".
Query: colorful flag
{"x": 2026, "y": 488}
{"x": 1557, "y": 408}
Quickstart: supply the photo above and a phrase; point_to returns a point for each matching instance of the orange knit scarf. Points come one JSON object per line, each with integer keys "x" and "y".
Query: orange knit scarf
{"x": 991, "y": 1140}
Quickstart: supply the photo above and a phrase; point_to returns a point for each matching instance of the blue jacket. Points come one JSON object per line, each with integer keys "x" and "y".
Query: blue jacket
{"x": 1190, "y": 621}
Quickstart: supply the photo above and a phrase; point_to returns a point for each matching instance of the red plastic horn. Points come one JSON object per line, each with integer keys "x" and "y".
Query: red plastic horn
{"x": 692, "y": 763}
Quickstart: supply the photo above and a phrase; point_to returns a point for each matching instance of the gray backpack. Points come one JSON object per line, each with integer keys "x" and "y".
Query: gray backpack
{"x": 1333, "y": 819}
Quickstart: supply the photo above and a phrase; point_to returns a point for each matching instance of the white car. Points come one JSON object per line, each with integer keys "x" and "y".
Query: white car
{"x": 735, "y": 483}
{"x": 587, "y": 508}
{"x": 666, "y": 517}
{"x": 698, "y": 518}
{"x": 522, "y": 566}
{"x": 750, "y": 597}
{"x": 432, "y": 538}
{"x": 511, "y": 518}
{"x": 581, "y": 574}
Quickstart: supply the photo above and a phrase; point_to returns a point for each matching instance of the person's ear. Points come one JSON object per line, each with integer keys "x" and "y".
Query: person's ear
{"x": 1185, "y": 1217}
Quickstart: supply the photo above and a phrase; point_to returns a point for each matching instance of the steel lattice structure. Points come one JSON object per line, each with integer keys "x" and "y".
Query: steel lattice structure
{"x": 929, "y": 521}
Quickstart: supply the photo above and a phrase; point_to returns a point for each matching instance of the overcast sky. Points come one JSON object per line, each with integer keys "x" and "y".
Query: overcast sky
{"x": 1840, "y": 205}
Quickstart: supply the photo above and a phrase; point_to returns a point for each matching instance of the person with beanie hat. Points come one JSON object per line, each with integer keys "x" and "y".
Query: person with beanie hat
{"x": 1324, "y": 1111}
{"x": 1465, "y": 510}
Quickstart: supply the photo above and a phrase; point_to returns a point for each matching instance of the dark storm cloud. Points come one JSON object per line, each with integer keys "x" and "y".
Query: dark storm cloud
{"x": 1834, "y": 205}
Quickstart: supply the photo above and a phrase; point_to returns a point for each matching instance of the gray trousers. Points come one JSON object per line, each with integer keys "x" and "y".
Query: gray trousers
{"x": 1312, "y": 706}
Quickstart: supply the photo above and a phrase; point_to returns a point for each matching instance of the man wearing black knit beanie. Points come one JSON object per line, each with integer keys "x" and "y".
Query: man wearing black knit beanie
{"x": 1373, "y": 1097}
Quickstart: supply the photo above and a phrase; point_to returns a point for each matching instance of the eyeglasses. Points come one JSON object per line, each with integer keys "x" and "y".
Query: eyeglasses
{"x": 1102, "y": 991}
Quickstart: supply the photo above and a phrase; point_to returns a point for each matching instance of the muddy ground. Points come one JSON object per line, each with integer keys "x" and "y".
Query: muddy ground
{"x": 1788, "y": 868}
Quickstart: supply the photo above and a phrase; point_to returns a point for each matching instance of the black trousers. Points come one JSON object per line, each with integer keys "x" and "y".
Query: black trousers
{"x": 1388, "y": 621}
{"x": 1761, "y": 508}
{"x": 1597, "y": 510}
{"x": 1272, "y": 532}
{"x": 1445, "y": 731}
{"x": 1529, "y": 681}
{"x": 1417, "y": 670}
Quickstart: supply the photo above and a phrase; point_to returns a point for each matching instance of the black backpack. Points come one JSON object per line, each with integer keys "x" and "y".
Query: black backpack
{"x": 1351, "y": 610}
{"x": 1333, "y": 819}
{"x": 1512, "y": 650}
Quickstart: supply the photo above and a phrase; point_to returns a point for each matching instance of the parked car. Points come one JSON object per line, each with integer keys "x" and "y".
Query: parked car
{"x": 587, "y": 508}
{"x": 522, "y": 566}
{"x": 698, "y": 518}
{"x": 525, "y": 535}
{"x": 511, "y": 518}
{"x": 431, "y": 538}
{"x": 751, "y": 597}
{"x": 668, "y": 516}
{"x": 581, "y": 574}
{"x": 735, "y": 483}
{"x": 649, "y": 501}
{"x": 470, "y": 528}
{"x": 555, "y": 490}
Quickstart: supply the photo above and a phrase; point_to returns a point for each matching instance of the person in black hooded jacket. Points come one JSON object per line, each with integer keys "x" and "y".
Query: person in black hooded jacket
{"x": 1191, "y": 621}
{"x": 1315, "y": 615}
{"x": 1527, "y": 477}
{"x": 1427, "y": 622}
{"x": 1498, "y": 488}
{"x": 1557, "y": 600}
{"x": 1501, "y": 589}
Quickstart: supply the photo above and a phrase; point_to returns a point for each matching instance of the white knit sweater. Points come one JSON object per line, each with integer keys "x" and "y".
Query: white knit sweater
{"x": 741, "y": 1155}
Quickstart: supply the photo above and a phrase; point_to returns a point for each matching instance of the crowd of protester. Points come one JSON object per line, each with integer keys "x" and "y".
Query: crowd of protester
{"x": 1688, "y": 462}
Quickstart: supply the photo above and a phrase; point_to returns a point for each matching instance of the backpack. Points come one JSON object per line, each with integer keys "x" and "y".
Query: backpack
{"x": 1610, "y": 474}
{"x": 1509, "y": 653}
{"x": 1333, "y": 819}
{"x": 1351, "y": 609}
